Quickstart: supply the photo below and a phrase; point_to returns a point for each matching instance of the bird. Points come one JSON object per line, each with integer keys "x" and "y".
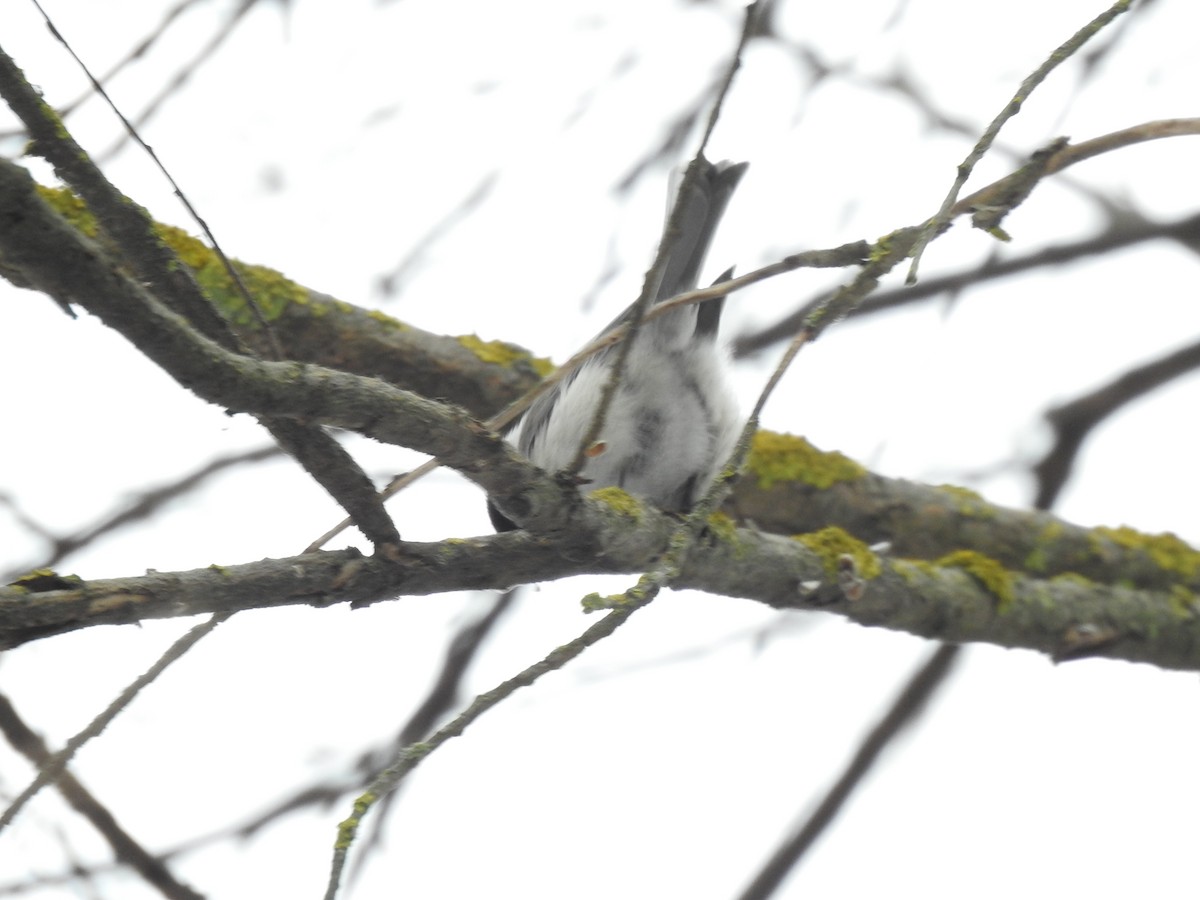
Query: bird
{"x": 673, "y": 421}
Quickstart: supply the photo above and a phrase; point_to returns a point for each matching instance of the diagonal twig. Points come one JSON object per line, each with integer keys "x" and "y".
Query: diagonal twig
{"x": 1064, "y": 52}
{"x": 907, "y": 707}
{"x": 126, "y": 849}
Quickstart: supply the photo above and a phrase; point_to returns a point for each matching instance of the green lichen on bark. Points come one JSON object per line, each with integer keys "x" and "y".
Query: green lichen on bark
{"x": 619, "y": 501}
{"x": 273, "y": 292}
{"x": 1167, "y": 551}
{"x": 967, "y": 502}
{"x": 71, "y": 208}
{"x": 778, "y": 457}
{"x": 990, "y": 574}
{"x": 832, "y": 543}
{"x": 502, "y": 353}
{"x": 722, "y": 526}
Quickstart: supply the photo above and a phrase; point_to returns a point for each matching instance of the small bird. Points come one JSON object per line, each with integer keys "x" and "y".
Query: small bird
{"x": 673, "y": 422}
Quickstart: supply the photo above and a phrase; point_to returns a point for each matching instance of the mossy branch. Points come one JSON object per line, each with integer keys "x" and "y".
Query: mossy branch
{"x": 310, "y": 326}
{"x": 790, "y": 486}
{"x": 962, "y": 597}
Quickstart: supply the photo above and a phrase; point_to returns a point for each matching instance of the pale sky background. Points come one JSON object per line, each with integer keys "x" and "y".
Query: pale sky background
{"x": 669, "y": 761}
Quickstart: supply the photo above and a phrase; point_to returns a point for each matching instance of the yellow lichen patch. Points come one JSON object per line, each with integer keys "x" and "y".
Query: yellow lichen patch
{"x": 620, "y": 501}
{"x": 881, "y": 248}
{"x": 832, "y": 543}
{"x": 1167, "y": 551}
{"x": 270, "y": 290}
{"x": 893, "y": 246}
{"x": 993, "y": 577}
{"x": 786, "y": 457}
{"x": 501, "y": 353}
{"x": 722, "y": 526}
{"x": 71, "y": 208}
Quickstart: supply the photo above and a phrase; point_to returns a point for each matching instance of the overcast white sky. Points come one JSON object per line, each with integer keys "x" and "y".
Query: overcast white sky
{"x": 668, "y": 761}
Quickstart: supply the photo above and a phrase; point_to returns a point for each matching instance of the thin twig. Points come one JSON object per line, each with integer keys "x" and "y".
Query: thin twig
{"x": 182, "y": 75}
{"x": 1120, "y": 234}
{"x": 413, "y": 754}
{"x": 442, "y": 696}
{"x": 925, "y": 681}
{"x": 1073, "y": 422}
{"x": 124, "y": 847}
{"x": 54, "y": 765}
{"x": 1064, "y": 52}
{"x": 907, "y": 707}
{"x": 140, "y": 508}
{"x": 234, "y": 275}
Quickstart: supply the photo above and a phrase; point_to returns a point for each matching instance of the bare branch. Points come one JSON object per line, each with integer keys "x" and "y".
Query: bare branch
{"x": 128, "y": 850}
{"x": 183, "y": 74}
{"x": 1070, "y": 154}
{"x": 52, "y": 767}
{"x": 443, "y": 696}
{"x": 410, "y": 757}
{"x": 907, "y": 707}
{"x": 1073, "y": 422}
{"x": 138, "y": 509}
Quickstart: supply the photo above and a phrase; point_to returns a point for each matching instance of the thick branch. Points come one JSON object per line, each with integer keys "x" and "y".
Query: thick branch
{"x": 790, "y": 487}
{"x": 961, "y": 599}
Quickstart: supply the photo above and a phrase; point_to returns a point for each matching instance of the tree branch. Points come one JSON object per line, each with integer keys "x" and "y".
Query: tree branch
{"x": 903, "y": 710}
{"x": 949, "y": 208}
{"x": 124, "y": 847}
{"x": 960, "y": 598}
{"x": 143, "y": 506}
{"x": 791, "y": 487}
{"x": 1073, "y": 422}
{"x": 1120, "y": 235}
